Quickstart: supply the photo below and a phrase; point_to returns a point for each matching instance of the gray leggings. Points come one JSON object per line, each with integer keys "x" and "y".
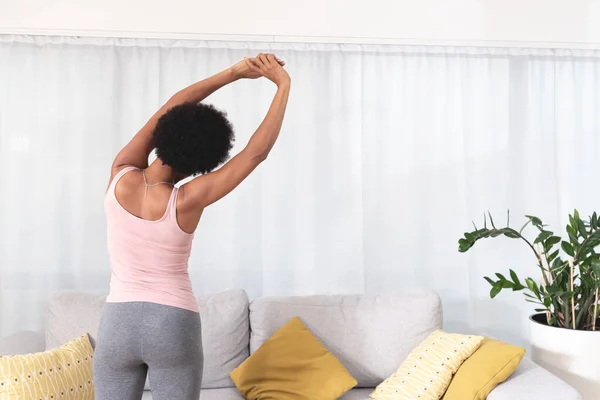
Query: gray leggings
{"x": 140, "y": 338}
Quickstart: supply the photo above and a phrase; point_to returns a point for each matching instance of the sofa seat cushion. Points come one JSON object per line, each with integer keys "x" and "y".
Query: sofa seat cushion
{"x": 22, "y": 343}
{"x": 212, "y": 394}
{"x": 532, "y": 382}
{"x": 225, "y": 328}
{"x": 370, "y": 334}
{"x": 233, "y": 394}
{"x": 358, "y": 394}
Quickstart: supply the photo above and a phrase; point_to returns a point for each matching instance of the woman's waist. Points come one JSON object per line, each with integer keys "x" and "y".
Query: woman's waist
{"x": 133, "y": 270}
{"x": 151, "y": 278}
{"x": 175, "y": 295}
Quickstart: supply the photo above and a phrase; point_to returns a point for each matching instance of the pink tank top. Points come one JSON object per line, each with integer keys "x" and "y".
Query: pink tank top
{"x": 148, "y": 259}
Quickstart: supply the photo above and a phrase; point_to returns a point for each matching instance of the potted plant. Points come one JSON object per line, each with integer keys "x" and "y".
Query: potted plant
{"x": 565, "y": 333}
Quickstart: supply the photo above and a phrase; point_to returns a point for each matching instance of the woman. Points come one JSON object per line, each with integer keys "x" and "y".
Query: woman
{"x": 150, "y": 324}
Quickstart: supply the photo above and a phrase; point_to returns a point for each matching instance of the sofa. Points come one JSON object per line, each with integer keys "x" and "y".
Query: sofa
{"x": 370, "y": 334}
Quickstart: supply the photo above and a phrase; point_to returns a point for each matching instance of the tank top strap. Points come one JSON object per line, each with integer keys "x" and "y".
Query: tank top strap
{"x": 119, "y": 175}
{"x": 172, "y": 206}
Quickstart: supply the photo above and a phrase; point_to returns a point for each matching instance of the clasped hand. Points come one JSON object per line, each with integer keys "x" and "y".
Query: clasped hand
{"x": 267, "y": 65}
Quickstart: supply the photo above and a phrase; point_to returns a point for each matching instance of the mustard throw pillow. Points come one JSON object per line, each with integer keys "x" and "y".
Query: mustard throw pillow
{"x": 292, "y": 365}
{"x": 61, "y": 373}
{"x": 488, "y": 367}
{"x": 428, "y": 369}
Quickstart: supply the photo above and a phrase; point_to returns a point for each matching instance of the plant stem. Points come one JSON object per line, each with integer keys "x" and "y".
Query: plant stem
{"x": 544, "y": 280}
{"x": 549, "y": 266}
{"x": 572, "y": 298}
{"x": 528, "y": 242}
{"x": 595, "y": 310}
{"x": 583, "y": 311}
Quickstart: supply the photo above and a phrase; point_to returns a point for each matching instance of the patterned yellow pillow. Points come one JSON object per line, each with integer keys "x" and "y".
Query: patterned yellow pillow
{"x": 428, "y": 369}
{"x": 61, "y": 373}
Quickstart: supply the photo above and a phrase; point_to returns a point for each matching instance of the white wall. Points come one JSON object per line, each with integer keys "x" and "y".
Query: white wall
{"x": 535, "y": 22}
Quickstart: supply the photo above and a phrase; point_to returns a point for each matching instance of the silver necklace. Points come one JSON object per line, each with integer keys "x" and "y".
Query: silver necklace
{"x": 154, "y": 184}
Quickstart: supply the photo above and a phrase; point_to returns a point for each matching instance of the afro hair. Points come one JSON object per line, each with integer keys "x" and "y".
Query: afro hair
{"x": 193, "y": 138}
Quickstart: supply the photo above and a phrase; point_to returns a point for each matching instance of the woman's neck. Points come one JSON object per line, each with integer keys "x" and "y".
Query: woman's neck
{"x": 158, "y": 172}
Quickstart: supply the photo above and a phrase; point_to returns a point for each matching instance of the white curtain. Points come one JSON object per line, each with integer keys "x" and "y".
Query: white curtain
{"x": 386, "y": 155}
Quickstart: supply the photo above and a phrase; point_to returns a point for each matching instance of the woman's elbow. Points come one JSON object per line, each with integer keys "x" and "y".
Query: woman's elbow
{"x": 261, "y": 156}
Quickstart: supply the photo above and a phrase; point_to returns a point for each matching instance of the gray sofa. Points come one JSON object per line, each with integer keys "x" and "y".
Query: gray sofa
{"x": 371, "y": 335}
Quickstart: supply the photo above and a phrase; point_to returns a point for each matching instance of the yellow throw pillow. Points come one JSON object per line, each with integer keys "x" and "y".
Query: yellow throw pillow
{"x": 428, "y": 369}
{"x": 292, "y": 365}
{"x": 61, "y": 373}
{"x": 488, "y": 367}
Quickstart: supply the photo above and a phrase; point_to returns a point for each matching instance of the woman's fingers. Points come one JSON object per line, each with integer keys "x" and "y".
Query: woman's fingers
{"x": 251, "y": 64}
{"x": 259, "y": 60}
{"x": 272, "y": 59}
{"x": 265, "y": 60}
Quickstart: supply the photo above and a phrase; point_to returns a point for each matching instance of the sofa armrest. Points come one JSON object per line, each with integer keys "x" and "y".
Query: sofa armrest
{"x": 532, "y": 382}
{"x": 22, "y": 343}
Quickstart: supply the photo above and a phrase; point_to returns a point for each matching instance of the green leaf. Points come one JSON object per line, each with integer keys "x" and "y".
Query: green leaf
{"x": 556, "y": 264}
{"x": 496, "y": 289}
{"x": 567, "y": 248}
{"x": 507, "y": 285}
{"x": 514, "y": 277}
{"x": 535, "y": 221}
{"x": 553, "y": 255}
{"x": 541, "y": 310}
{"x": 582, "y": 229}
{"x": 533, "y": 301}
{"x": 490, "y": 281}
{"x": 551, "y": 241}
{"x": 574, "y": 240}
{"x": 566, "y": 295}
{"x": 464, "y": 245}
{"x": 596, "y": 268}
{"x": 551, "y": 290}
{"x": 543, "y": 236}
{"x": 547, "y": 302}
{"x": 587, "y": 262}
{"x": 500, "y": 276}
{"x": 512, "y": 234}
{"x": 531, "y": 285}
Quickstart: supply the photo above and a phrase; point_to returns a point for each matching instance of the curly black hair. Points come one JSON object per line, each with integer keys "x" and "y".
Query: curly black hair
{"x": 193, "y": 138}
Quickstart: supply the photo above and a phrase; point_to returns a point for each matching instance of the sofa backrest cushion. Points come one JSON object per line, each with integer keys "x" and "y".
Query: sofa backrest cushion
{"x": 370, "y": 334}
{"x": 225, "y": 328}
{"x": 225, "y": 336}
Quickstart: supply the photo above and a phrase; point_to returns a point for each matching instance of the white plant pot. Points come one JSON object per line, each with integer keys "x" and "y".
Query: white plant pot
{"x": 572, "y": 355}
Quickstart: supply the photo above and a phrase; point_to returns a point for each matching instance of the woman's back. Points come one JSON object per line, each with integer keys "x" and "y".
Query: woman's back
{"x": 149, "y": 257}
